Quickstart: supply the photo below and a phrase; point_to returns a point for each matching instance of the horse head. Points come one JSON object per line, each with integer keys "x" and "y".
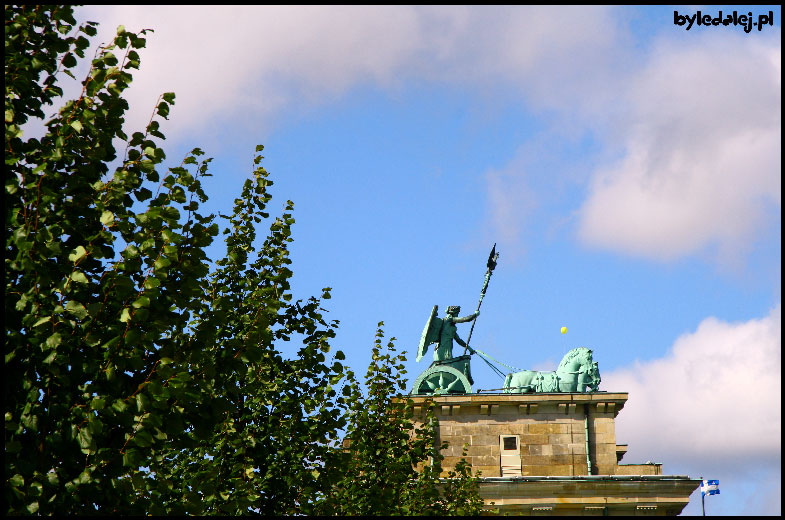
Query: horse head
{"x": 594, "y": 379}
{"x": 575, "y": 358}
{"x": 588, "y": 375}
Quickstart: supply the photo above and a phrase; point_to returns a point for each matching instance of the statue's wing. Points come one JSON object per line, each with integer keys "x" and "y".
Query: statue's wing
{"x": 430, "y": 333}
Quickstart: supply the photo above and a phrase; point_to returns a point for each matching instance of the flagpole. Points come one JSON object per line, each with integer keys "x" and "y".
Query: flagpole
{"x": 703, "y": 496}
{"x": 491, "y": 266}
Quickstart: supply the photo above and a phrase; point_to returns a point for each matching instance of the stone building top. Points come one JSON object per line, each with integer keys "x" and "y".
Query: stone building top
{"x": 523, "y": 404}
{"x": 551, "y": 453}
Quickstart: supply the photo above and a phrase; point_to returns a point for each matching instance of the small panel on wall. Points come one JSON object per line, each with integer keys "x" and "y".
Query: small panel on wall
{"x": 510, "y": 448}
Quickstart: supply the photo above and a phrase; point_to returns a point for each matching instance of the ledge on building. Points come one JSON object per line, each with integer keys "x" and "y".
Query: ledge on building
{"x": 588, "y": 478}
{"x": 582, "y": 495}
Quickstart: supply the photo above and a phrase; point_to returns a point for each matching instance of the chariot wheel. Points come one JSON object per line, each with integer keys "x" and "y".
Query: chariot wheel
{"x": 442, "y": 379}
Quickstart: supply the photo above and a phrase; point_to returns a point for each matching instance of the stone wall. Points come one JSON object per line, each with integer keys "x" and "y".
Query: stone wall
{"x": 550, "y": 429}
{"x": 551, "y": 433}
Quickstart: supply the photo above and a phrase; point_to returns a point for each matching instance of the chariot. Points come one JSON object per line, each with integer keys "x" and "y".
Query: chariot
{"x": 452, "y": 376}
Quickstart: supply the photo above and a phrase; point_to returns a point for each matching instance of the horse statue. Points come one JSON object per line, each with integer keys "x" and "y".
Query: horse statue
{"x": 575, "y": 373}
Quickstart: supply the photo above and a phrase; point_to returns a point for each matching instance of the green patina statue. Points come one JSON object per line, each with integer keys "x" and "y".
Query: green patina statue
{"x": 447, "y": 374}
{"x": 444, "y": 332}
{"x": 575, "y": 373}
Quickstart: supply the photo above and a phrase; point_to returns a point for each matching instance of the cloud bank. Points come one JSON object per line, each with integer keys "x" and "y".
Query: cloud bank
{"x": 716, "y": 396}
{"x": 259, "y": 61}
{"x": 693, "y": 123}
{"x": 701, "y": 153}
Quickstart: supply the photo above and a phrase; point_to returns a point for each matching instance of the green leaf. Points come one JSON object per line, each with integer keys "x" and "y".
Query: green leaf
{"x": 107, "y": 217}
{"x": 78, "y": 254}
{"x": 16, "y": 480}
{"x": 125, "y": 316}
{"x": 41, "y": 321}
{"x": 132, "y": 458}
{"x": 132, "y": 337}
{"x": 85, "y": 438}
{"x": 54, "y": 340}
{"x": 161, "y": 262}
{"x": 142, "y": 194}
{"x": 143, "y": 439}
{"x": 53, "y": 478}
{"x": 112, "y": 342}
{"x": 78, "y": 277}
{"x": 69, "y": 61}
{"x": 142, "y": 402}
{"x": 95, "y": 425}
{"x": 142, "y": 301}
{"x": 84, "y": 477}
{"x": 163, "y": 109}
{"x": 76, "y": 125}
{"x": 76, "y": 308}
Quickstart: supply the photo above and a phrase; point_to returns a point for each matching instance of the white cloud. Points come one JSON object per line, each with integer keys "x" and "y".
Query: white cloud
{"x": 696, "y": 124}
{"x": 701, "y": 150}
{"x": 251, "y": 62}
{"x": 255, "y": 62}
{"x": 554, "y": 55}
{"x": 716, "y": 396}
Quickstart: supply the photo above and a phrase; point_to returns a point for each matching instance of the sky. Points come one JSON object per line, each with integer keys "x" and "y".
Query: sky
{"x": 627, "y": 169}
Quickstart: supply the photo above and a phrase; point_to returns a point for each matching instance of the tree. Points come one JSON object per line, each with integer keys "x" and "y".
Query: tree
{"x": 268, "y": 424}
{"x": 392, "y": 466}
{"x": 140, "y": 377}
{"x": 122, "y": 351}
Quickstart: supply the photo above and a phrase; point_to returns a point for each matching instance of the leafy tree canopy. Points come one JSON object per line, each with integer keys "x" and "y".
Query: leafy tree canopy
{"x": 392, "y": 464}
{"x": 139, "y": 377}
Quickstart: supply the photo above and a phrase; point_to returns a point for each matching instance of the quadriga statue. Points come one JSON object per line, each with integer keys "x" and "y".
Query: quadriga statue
{"x": 576, "y": 372}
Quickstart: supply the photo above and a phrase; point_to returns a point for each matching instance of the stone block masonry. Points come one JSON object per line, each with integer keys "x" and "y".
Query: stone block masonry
{"x": 549, "y": 429}
{"x": 549, "y": 438}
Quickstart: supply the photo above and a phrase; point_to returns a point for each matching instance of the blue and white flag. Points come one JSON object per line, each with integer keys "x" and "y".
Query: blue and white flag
{"x": 710, "y": 487}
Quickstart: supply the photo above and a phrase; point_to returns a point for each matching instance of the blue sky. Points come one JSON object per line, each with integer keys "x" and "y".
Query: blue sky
{"x": 627, "y": 169}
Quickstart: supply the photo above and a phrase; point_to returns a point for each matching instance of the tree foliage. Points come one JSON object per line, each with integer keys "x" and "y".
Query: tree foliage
{"x": 392, "y": 465}
{"x": 139, "y": 377}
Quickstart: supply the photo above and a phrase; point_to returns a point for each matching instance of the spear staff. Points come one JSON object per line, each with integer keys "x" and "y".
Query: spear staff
{"x": 491, "y": 266}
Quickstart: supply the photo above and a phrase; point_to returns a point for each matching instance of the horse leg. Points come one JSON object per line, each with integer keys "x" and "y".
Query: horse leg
{"x": 507, "y": 382}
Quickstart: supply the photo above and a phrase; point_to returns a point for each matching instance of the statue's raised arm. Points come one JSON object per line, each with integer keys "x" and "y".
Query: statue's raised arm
{"x": 470, "y": 317}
